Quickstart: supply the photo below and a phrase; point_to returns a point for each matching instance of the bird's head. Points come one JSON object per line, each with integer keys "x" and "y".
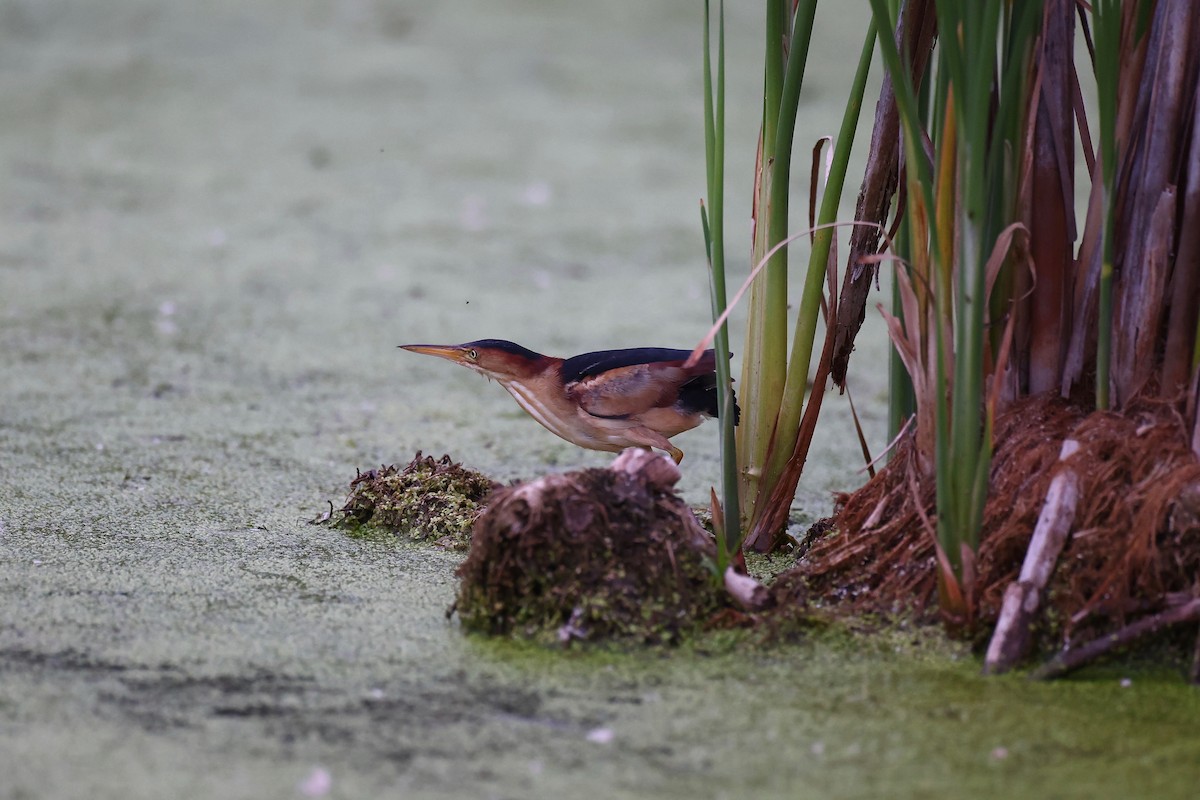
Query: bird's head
{"x": 494, "y": 358}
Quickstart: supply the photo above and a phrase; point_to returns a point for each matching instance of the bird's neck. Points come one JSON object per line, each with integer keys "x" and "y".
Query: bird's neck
{"x": 541, "y": 394}
{"x": 536, "y": 372}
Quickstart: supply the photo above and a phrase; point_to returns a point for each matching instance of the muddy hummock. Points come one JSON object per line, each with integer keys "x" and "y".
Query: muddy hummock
{"x": 599, "y": 554}
{"x": 427, "y": 500}
{"x": 1133, "y": 549}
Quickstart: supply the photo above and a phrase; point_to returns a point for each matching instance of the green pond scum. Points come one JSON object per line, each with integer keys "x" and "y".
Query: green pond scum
{"x": 218, "y": 221}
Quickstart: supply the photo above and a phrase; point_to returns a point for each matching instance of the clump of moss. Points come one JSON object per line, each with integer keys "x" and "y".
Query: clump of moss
{"x": 428, "y": 500}
{"x": 599, "y": 554}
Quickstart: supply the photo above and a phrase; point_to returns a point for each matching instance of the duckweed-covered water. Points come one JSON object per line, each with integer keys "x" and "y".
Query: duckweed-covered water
{"x": 216, "y": 222}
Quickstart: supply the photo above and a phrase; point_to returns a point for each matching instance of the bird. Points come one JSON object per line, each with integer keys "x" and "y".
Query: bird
{"x": 606, "y": 400}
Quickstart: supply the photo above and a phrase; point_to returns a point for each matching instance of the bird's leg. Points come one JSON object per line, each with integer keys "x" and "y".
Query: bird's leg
{"x": 649, "y": 438}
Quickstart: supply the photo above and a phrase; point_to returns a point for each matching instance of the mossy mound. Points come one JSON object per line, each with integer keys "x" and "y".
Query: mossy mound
{"x": 428, "y": 500}
{"x": 600, "y": 554}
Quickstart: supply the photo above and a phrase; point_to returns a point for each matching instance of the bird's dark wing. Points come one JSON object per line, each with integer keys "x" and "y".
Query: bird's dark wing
{"x": 622, "y": 383}
{"x": 583, "y": 366}
{"x": 627, "y": 391}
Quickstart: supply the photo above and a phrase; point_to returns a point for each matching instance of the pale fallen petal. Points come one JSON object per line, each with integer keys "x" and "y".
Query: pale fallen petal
{"x": 317, "y": 784}
{"x": 600, "y": 735}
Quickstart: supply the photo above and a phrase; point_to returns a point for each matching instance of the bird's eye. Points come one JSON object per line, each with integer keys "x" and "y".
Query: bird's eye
{"x": 473, "y": 355}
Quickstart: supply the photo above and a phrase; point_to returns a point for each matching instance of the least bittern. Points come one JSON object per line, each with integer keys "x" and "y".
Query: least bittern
{"x": 607, "y": 400}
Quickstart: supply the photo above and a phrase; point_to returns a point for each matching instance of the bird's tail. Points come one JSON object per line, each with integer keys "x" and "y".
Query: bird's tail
{"x": 700, "y": 395}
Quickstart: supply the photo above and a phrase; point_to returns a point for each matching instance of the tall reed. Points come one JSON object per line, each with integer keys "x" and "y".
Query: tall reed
{"x": 1000, "y": 294}
{"x": 761, "y": 473}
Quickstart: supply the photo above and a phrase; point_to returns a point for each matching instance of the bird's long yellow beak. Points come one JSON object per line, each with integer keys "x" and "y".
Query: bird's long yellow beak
{"x": 450, "y": 352}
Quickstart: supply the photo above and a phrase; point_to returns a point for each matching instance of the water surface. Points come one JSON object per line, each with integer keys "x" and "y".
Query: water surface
{"x": 218, "y": 221}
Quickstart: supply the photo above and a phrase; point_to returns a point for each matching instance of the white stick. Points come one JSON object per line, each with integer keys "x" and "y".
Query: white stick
{"x": 1023, "y": 598}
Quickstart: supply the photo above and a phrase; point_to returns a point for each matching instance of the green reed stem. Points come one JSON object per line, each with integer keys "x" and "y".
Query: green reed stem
{"x": 1106, "y": 16}
{"x": 729, "y": 534}
{"x": 809, "y": 313}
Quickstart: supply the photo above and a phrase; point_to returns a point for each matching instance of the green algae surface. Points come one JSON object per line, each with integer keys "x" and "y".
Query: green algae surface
{"x": 218, "y": 221}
